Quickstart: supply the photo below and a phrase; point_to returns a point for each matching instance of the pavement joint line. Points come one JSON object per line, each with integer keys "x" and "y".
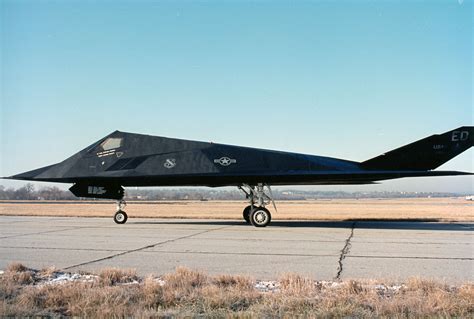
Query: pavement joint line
{"x": 330, "y": 241}
{"x": 307, "y": 255}
{"x": 252, "y": 240}
{"x": 411, "y": 257}
{"x": 142, "y": 248}
{"x": 410, "y": 243}
{"x": 45, "y": 232}
{"x": 246, "y": 254}
{"x": 344, "y": 251}
{"x": 239, "y": 254}
{"x": 60, "y": 248}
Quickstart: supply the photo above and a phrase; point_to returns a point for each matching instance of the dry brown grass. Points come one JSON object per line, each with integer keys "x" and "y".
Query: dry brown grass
{"x": 16, "y": 267}
{"x": 445, "y": 209}
{"x": 113, "y": 276}
{"x": 48, "y": 272}
{"x": 297, "y": 285}
{"x": 188, "y": 293}
{"x": 17, "y": 273}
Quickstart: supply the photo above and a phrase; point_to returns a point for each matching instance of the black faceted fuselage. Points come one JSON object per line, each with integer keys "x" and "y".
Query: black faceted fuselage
{"x": 127, "y": 159}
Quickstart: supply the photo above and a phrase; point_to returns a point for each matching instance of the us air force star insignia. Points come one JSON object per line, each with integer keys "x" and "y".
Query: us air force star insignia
{"x": 225, "y": 161}
{"x": 170, "y": 163}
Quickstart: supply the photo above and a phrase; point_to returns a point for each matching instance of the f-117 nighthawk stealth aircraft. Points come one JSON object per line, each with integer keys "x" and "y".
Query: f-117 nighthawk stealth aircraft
{"x": 126, "y": 159}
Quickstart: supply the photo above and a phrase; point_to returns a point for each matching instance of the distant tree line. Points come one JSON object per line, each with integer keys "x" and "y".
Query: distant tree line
{"x": 29, "y": 192}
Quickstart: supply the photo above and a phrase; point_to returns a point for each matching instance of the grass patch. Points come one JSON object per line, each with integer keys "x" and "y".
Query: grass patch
{"x": 187, "y": 293}
{"x": 113, "y": 276}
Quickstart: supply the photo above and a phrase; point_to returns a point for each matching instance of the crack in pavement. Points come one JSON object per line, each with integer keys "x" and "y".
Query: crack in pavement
{"x": 142, "y": 248}
{"x": 344, "y": 252}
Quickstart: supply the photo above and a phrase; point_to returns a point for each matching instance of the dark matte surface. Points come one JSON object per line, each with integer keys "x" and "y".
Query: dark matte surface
{"x": 126, "y": 159}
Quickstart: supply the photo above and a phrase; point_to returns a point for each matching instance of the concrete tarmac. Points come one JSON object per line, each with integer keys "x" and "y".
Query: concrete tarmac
{"x": 319, "y": 249}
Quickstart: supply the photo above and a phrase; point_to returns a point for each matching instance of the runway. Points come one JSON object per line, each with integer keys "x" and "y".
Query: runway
{"x": 321, "y": 250}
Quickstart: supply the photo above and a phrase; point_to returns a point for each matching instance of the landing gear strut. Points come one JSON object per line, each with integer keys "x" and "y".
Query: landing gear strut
{"x": 256, "y": 213}
{"x": 120, "y": 216}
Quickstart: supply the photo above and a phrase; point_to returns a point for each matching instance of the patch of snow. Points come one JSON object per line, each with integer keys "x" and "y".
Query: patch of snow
{"x": 328, "y": 284}
{"x": 58, "y": 278}
{"x": 63, "y": 277}
{"x": 267, "y": 286}
{"x": 160, "y": 281}
{"x": 134, "y": 282}
{"x": 387, "y": 291}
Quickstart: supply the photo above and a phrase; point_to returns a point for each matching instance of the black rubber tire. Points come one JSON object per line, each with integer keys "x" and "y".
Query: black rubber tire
{"x": 260, "y": 217}
{"x": 246, "y": 214}
{"x": 120, "y": 217}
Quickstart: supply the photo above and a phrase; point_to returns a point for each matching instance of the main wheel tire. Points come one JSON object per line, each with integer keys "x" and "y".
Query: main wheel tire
{"x": 120, "y": 217}
{"x": 260, "y": 217}
{"x": 246, "y": 214}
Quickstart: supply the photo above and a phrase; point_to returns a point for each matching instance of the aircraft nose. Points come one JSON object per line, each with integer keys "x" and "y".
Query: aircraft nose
{"x": 30, "y": 175}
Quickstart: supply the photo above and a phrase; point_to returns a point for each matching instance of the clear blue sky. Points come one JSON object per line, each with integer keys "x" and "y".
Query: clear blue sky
{"x": 346, "y": 79}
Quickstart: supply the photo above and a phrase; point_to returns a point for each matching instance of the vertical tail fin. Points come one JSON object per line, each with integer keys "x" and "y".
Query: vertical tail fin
{"x": 426, "y": 154}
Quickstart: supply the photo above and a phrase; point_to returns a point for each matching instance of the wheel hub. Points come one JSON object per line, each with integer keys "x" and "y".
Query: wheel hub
{"x": 260, "y": 217}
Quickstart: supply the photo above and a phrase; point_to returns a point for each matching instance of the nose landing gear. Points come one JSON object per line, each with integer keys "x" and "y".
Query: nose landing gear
{"x": 120, "y": 216}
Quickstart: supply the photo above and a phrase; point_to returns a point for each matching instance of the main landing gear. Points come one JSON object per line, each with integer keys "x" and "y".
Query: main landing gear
{"x": 120, "y": 216}
{"x": 256, "y": 213}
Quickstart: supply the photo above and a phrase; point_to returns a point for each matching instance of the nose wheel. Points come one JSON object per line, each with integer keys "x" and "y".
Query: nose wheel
{"x": 120, "y": 216}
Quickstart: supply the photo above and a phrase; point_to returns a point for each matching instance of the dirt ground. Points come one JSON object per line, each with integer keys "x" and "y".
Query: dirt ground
{"x": 442, "y": 209}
